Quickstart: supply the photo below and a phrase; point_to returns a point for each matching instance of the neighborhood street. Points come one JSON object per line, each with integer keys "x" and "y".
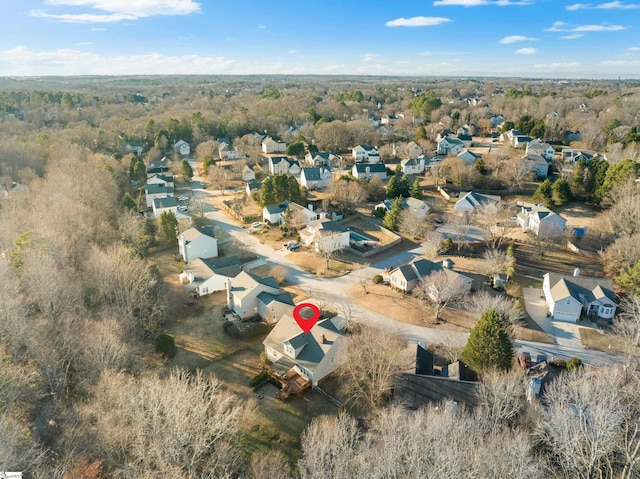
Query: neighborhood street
{"x": 334, "y": 292}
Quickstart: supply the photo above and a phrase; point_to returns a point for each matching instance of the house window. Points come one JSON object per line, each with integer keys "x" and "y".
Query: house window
{"x": 205, "y": 290}
{"x": 569, "y": 301}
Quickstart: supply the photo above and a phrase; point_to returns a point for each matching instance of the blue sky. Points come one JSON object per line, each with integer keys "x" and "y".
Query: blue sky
{"x": 526, "y": 38}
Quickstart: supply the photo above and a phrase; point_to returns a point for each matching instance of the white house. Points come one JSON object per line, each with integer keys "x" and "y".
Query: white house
{"x": 269, "y": 145}
{"x": 248, "y": 175}
{"x": 472, "y": 201}
{"x": 284, "y": 165}
{"x": 450, "y": 145}
{"x": 253, "y": 187}
{"x": 364, "y": 153}
{"x": 307, "y": 214}
{"x": 418, "y": 207}
{"x": 133, "y": 147}
{"x": 314, "y": 355}
{"x": 198, "y": 243}
{"x": 540, "y": 220}
{"x": 315, "y": 178}
{"x": 160, "y": 205}
{"x": 538, "y": 164}
{"x": 469, "y": 156}
{"x": 204, "y": 276}
{"x": 153, "y": 191}
{"x": 569, "y": 297}
{"x": 413, "y": 150}
{"x": 520, "y": 140}
{"x": 243, "y": 292}
{"x": 181, "y": 147}
{"x": 413, "y": 166}
{"x": 466, "y": 140}
{"x": 369, "y": 170}
{"x": 160, "y": 179}
{"x": 227, "y": 152}
{"x": 325, "y": 236}
{"x": 273, "y": 213}
{"x": 540, "y": 148}
{"x": 158, "y": 166}
{"x": 497, "y": 120}
{"x": 321, "y": 158}
{"x": 406, "y": 277}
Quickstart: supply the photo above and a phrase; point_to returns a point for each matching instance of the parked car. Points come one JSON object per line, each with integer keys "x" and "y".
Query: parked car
{"x": 256, "y": 224}
{"x": 525, "y": 360}
{"x": 541, "y": 358}
{"x": 182, "y": 208}
{"x": 183, "y": 198}
{"x": 292, "y": 245}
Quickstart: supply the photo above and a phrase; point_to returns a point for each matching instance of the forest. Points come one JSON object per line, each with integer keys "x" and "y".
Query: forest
{"x": 83, "y": 392}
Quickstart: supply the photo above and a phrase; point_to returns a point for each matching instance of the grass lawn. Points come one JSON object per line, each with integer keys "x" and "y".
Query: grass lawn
{"x": 601, "y": 341}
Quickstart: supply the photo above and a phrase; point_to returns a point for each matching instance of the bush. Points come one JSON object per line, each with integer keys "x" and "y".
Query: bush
{"x": 574, "y": 364}
{"x": 447, "y": 245}
{"x": 377, "y": 279}
{"x": 379, "y": 212}
{"x": 558, "y": 363}
{"x": 259, "y": 378}
{"x": 166, "y": 345}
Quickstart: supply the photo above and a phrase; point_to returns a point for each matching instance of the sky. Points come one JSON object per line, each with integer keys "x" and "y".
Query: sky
{"x": 513, "y": 38}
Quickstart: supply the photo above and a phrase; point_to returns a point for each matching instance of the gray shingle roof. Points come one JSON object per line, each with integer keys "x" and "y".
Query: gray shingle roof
{"x": 165, "y": 202}
{"x": 373, "y": 167}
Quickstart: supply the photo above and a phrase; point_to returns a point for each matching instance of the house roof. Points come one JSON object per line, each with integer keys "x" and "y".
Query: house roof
{"x": 369, "y": 149}
{"x": 163, "y": 163}
{"x": 245, "y": 282}
{"x": 451, "y": 140}
{"x": 169, "y": 202}
{"x": 157, "y": 188}
{"x": 415, "y": 391}
{"x": 325, "y": 224}
{"x": 468, "y": 152}
{"x": 542, "y": 212}
{"x": 268, "y": 298}
{"x": 476, "y": 199}
{"x": 193, "y": 233}
{"x": 373, "y": 167}
{"x": 313, "y": 174}
{"x": 580, "y": 287}
{"x": 203, "y": 269}
{"x": 160, "y": 176}
{"x": 464, "y": 137}
{"x": 254, "y": 185}
{"x": 313, "y": 347}
{"x": 181, "y": 143}
{"x": 275, "y": 209}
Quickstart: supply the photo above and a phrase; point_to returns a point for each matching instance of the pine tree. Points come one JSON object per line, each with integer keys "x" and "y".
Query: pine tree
{"x": 128, "y": 202}
{"x": 267, "y": 194}
{"x": 403, "y": 186}
{"x": 392, "y": 187}
{"x": 488, "y": 346}
{"x": 416, "y": 190}
{"x": 544, "y": 194}
{"x": 187, "y": 171}
{"x": 392, "y": 218}
{"x": 561, "y": 192}
{"x": 168, "y": 227}
{"x": 421, "y": 134}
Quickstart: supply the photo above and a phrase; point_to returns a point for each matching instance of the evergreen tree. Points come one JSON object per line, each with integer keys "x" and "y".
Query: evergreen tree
{"x": 488, "y": 346}
{"x": 185, "y": 168}
{"x": 137, "y": 170}
{"x": 544, "y": 194}
{"x": 285, "y": 220}
{"x": 393, "y": 190}
{"x": 416, "y": 190}
{"x": 280, "y": 187}
{"x": 595, "y": 179}
{"x": 168, "y": 227}
{"x": 392, "y": 218}
{"x": 128, "y": 202}
{"x": 403, "y": 186}
{"x": 618, "y": 173}
{"x": 208, "y": 161}
{"x": 421, "y": 133}
{"x": 295, "y": 149}
{"x": 267, "y": 193}
{"x": 561, "y": 192}
{"x": 578, "y": 178}
{"x": 293, "y": 190}
{"x": 629, "y": 279}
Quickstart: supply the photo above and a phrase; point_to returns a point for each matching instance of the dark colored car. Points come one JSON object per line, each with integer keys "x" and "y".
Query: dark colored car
{"x": 525, "y": 360}
{"x": 541, "y": 358}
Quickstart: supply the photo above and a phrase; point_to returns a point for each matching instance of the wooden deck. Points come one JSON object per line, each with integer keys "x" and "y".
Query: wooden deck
{"x": 291, "y": 383}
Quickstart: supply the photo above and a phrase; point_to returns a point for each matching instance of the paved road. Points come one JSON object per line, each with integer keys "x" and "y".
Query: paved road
{"x": 334, "y": 292}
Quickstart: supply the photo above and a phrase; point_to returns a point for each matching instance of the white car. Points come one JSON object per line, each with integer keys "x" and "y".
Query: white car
{"x": 256, "y": 224}
{"x": 183, "y": 198}
{"x": 182, "y": 208}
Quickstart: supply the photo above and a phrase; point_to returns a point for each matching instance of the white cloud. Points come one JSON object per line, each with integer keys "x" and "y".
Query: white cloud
{"x": 291, "y": 52}
{"x": 116, "y": 10}
{"x": 83, "y": 44}
{"x": 526, "y": 51}
{"x": 620, "y": 63}
{"x": 417, "y": 22}
{"x": 616, "y": 5}
{"x": 369, "y": 57}
{"x": 560, "y": 27}
{"x": 634, "y": 49}
{"x": 557, "y": 65}
{"x": 476, "y": 3}
{"x": 573, "y": 36}
{"x": 515, "y": 39}
{"x": 22, "y": 61}
{"x": 426, "y": 53}
{"x": 262, "y": 27}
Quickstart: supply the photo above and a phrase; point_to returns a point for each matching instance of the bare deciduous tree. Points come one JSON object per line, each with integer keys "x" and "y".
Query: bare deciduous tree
{"x": 279, "y": 272}
{"x": 269, "y": 465}
{"x": 502, "y": 396}
{"x": 509, "y": 310}
{"x": 440, "y": 290}
{"x": 414, "y": 224}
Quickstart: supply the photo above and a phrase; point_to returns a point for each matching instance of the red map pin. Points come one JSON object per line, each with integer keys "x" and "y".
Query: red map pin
{"x": 306, "y": 315}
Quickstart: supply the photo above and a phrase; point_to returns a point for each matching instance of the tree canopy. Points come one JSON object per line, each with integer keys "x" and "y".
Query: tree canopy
{"x": 488, "y": 346}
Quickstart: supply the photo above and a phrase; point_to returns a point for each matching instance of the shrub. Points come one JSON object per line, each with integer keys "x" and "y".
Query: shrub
{"x": 558, "y": 363}
{"x": 259, "y": 378}
{"x": 447, "y": 244}
{"x": 166, "y": 345}
{"x": 377, "y": 279}
{"x": 573, "y": 364}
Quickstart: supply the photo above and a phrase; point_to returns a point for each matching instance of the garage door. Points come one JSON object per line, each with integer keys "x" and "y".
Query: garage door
{"x": 569, "y": 317}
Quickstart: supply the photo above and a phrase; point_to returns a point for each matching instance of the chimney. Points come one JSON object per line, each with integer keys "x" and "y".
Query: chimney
{"x": 324, "y": 339}
{"x": 576, "y": 272}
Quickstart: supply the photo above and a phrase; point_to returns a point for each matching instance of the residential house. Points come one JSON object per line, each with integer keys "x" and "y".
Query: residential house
{"x": 273, "y": 213}
{"x": 369, "y": 170}
{"x": 253, "y": 187}
{"x": 321, "y": 158}
{"x": 520, "y": 140}
{"x": 538, "y": 164}
{"x": 269, "y": 145}
{"x": 284, "y": 165}
{"x": 159, "y": 179}
{"x": 227, "y": 152}
{"x": 325, "y": 236}
{"x": 205, "y": 276}
{"x": 470, "y": 129}
{"x": 418, "y": 207}
{"x": 472, "y": 201}
{"x": 133, "y": 147}
{"x": 540, "y": 148}
{"x": 365, "y": 154}
{"x": 569, "y": 297}
{"x": 390, "y": 119}
{"x": 572, "y": 156}
{"x": 315, "y": 178}
{"x": 181, "y": 147}
{"x": 271, "y": 307}
{"x": 243, "y": 292}
{"x": 306, "y": 214}
{"x": 156, "y": 190}
{"x": 407, "y": 277}
{"x": 540, "y": 220}
{"x": 160, "y": 205}
{"x": 158, "y": 166}
{"x": 497, "y": 120}
{"x": 313, "y": 355}
{"x": 469, "y": 156}
{"x": 444, "y": 133}
{"x": 413, "y": 166}
{"x": 198, "y": 243}
{"x": 413, "y": 150}
{"x": 553, "y": 115}
{"x": 570, "y": 136}
{"x": 248, "y": 175}
{"x": 465, "y": 139}
{"x": 450, "y": 145}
